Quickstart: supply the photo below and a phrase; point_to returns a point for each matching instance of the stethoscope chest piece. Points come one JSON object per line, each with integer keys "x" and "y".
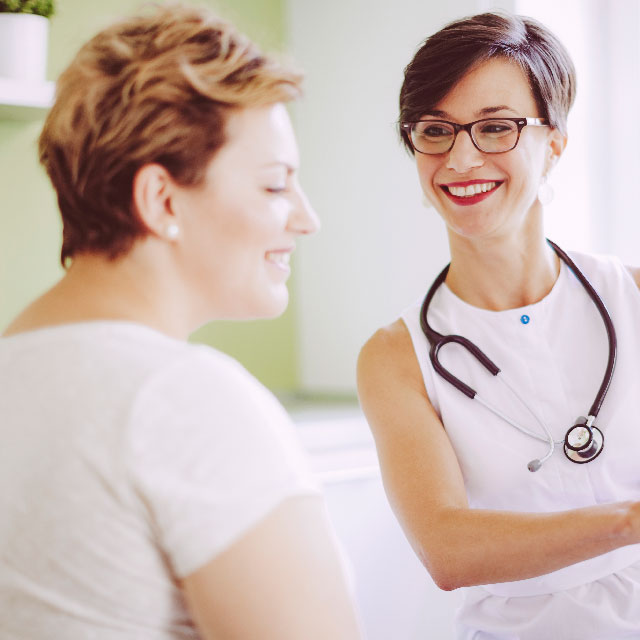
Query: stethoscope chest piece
{"x": 583, "y": 442}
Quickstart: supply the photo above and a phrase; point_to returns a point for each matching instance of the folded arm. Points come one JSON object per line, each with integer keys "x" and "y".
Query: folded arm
{"x": 458, "y": 545}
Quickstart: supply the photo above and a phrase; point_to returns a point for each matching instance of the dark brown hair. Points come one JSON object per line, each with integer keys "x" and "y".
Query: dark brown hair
{"x": 447, "y": 56}
{"x": 151, "y": 89}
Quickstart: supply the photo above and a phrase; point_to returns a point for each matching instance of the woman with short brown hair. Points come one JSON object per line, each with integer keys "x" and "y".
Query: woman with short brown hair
{"x": 152, "y": 488}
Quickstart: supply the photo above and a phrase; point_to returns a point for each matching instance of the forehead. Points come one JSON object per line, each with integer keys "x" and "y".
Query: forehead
{"x": 260, "y": 134}
{"x": 495, "y": 83}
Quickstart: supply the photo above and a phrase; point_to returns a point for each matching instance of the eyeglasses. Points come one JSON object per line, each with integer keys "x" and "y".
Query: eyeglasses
{"x": 491, "y": 135}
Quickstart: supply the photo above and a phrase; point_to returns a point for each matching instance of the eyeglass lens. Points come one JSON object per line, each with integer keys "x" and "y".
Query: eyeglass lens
{"x": 490, "y": 136}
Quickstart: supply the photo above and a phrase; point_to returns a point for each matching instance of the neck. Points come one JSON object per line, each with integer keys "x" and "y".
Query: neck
{"x": 499, "y": 274}
{"x": 97, "y": 288}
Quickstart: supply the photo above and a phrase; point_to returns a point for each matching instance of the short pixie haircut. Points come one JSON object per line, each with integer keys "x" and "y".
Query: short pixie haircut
{"x": 448, "y": 55}
{"x": 155, "y": 88}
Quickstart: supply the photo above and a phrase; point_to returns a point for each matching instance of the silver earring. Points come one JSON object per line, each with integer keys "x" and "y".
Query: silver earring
{"x": 172, "y": 231}
{"x": 545, "y": 192}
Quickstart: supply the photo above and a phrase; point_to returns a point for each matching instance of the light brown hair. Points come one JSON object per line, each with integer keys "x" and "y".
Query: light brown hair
{"x": 448, "y": 55}
{"x": 155, "y": 88}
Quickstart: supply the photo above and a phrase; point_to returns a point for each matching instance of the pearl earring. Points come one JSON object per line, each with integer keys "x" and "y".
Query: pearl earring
{"x": 545, "y": 192}
{"x": 172, "y": 231}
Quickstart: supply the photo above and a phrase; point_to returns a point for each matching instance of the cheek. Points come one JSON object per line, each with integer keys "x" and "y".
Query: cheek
{"x": 527, "y": 167}
{"x": 526, "y": 186}
{"x": 234, "y": 222}
{"x": 426, "y": 168}
{"x": 277, "y": 210}
{"x": 250, "y": 231}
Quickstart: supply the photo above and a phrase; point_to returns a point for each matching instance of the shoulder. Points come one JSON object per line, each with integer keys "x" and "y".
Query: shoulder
{"x": 202, "y": 370}
{"x": 388, "y": 361}
{"x": 607, "y": 266}
{"x": 206, "y": 411}
{"x": 211, "y": 452}
{"x": 204, "y": 396}
{"x": 390, "y": 346}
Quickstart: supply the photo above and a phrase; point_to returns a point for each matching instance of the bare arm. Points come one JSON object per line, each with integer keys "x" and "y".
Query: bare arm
{"x": 281, "y": 581}
{"x": 458, "y": 545}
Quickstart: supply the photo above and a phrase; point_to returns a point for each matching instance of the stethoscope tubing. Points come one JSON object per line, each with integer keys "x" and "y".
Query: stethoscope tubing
{"x": 608, "y": 323}
{"x": 546, "y": 438}
{"x": 437, "y": 341}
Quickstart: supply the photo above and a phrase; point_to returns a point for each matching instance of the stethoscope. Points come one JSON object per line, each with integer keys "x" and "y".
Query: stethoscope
{"x": 583, "y": 441}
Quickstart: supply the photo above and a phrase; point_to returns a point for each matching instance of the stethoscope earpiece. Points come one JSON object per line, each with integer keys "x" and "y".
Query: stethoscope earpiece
{"x": 534, "y": 465}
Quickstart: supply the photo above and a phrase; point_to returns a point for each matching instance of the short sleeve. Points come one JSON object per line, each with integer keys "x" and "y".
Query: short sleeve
{"x": 211, "y": 453}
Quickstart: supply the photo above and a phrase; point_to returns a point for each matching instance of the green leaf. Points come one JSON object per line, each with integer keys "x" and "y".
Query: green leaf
{"x": 43, "y": 8}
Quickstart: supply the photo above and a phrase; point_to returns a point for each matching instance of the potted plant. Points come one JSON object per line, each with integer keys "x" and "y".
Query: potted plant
{"x": 24, "y": 36}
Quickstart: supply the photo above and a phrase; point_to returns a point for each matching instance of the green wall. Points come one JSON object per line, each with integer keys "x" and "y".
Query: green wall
{"x": 29, "y": 224}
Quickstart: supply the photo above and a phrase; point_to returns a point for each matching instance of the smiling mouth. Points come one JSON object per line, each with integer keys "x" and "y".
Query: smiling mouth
{"x": 470, "y": 193}
{"x": 470, "y": 189}
{"x": 281, "y": 258}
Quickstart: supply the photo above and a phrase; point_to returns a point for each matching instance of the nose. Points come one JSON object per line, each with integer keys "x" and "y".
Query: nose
{"x": 464, "y": 155}
{"x": 303, "y": 219}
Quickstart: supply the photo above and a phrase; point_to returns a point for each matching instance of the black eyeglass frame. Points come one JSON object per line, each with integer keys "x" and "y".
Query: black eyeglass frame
{"x": 521, "y": 123}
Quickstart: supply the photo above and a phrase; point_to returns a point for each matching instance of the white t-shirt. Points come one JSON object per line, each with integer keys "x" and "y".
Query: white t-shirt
{"x": 127, "y": 460}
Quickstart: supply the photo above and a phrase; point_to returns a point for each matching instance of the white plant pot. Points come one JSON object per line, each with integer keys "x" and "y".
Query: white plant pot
{"x": 23, "y": 47}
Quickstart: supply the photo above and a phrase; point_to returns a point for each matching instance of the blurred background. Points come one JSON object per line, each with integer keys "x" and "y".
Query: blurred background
{"x": 379, "y": 248}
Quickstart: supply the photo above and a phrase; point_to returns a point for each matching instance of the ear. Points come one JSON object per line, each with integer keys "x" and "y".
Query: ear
{"x": 557, "y": 144}
{"x": 152, "y": 186}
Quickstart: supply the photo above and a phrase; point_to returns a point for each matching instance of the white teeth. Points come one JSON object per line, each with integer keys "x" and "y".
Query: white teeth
{"x": 278, "y": 257}
{"x": 471, "y": 189}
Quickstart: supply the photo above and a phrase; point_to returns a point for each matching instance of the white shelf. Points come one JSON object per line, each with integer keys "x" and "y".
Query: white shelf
{"x": 24, "y": 101}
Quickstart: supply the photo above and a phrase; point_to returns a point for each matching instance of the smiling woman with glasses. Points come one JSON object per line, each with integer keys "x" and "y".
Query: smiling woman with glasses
{"x": 504, "y": 404}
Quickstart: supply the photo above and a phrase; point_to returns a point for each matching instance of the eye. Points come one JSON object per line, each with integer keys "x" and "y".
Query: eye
{"x": 279, "y": 189}
{"x": 435, "y": 130}
{"x": 497, "y": 127}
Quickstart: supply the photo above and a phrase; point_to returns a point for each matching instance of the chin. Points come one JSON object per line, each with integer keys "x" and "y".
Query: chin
{"x": 269, "y": 306}
{"x": 473, "y": 226}
{"x": 276, "y": 307}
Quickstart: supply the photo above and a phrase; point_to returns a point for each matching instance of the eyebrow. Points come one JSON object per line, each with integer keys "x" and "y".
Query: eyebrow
{"x": 436, "y": 113}
{"x": 290, "y": 168}
{"x": 489, "y": 110}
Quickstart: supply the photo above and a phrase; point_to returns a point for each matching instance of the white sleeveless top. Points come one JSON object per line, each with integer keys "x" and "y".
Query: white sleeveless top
{"x": 555, "y": 354}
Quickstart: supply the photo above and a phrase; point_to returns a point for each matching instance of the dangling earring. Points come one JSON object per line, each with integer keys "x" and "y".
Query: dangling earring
{"x": 545, "y": 192}
{"x": 172, "y": 231}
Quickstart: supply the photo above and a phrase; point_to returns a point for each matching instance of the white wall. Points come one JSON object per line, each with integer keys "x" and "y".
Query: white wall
{"x": 378, "y": 248}
{"x": 595, "y": 206}
{"x": 617, "y": 106}
{"x": 571, "y": 218}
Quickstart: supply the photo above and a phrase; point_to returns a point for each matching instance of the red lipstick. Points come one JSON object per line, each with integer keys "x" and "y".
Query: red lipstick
{"x": 466, "y": 201}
